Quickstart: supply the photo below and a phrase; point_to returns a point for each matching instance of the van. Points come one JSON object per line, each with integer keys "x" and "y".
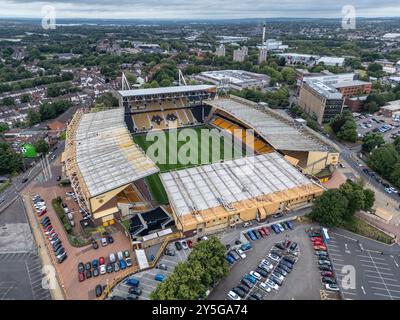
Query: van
{"x": 159, "y": 277}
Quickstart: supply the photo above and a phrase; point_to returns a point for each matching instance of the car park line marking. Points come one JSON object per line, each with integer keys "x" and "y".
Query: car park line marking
{"x": 378, "y": 271}
{"x": 395, "y": 262}
{"x": 388, "y": 284}
{"x": 387, "y": 279}
{"x": 391, "y": 290}
{"x": 385, "y": 295}
{"x": 374, "y": 267}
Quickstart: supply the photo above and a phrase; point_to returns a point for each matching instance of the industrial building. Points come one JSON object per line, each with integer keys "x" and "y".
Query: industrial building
{"x": 320, "y": 101}
{"x": 234, "y": 79}
{"x": 391, "y": 109}
{"x": 331, "y": 61}
{"x": 353, "y": 88}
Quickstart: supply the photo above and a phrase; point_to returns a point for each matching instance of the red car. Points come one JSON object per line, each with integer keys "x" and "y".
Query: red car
{"x": 265, "y": 230}
{"x": 262, "y": 232}
{"x": 190, "y": 243}
{"x": 102, "y": 261}
{"x": 322, "y": 248}
{"x": 316, "y": 238}
{"x": 327, "y": 274}
{"x": 81, "y": 276}
{"x": 42, "y": 213}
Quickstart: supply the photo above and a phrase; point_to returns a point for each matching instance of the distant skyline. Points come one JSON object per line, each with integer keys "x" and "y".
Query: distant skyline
{"x": 204, "y": 9}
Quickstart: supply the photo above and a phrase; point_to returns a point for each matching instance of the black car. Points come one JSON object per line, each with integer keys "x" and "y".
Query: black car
{"x": 109, "y": 267}
{"x": 169, "y": 252}
{"x": 98, "y": 290}
{"x": 178, "y": 246}
{"x": 287, "y": 264}
{"x": 278, "y": 215}
{"x": 96, "y": 272}
{"x": 329, "y": 280}
{"x": 262, "y": 272}
{"x": 280, "y": 246}
{"x": 136, "y": 291}
{"x": 239, "y": 292}
{"x": 62, "y": 258}
{"x": 57, "y": 246}
{"x": 324, "y": 267}
{"x": 256, "y": 296}
{"x": 110, "y": 239}
{"x": 243, "y": 288}
{"x": 88, "y": 274}
{"x": 277, "y": 253}
{"x": 44, "y": 220}
{"x": 95, "y": 244}
{"x": 289, "y": 259}
{"x": 247, "y": 283}
{"x": 88, "y": 265}
{"x": 263, "y": 267}
{"x": 228, "y": 246}
{"x": 237, "y": 242}
{"x": 132, "y": 297}
{"x": 280, "y": 271}
{"x": 285, "y": 268}
{"x": 81, "y": 267}
{"x": 24, "y": 180}
{"x": 257, "y": 234}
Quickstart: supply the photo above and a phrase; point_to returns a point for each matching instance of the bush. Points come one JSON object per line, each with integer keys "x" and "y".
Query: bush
{"x": 61, "y": 214}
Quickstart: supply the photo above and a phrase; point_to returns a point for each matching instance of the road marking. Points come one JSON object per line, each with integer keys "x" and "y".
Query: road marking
{"x": 385, "y": 295}
{"x": 391, "y": 290}
{"x": 380, "y": 276}
{"x": 395, "y": 262}
{"x": 363, "y": 290}
{"x": 388, "y": 284}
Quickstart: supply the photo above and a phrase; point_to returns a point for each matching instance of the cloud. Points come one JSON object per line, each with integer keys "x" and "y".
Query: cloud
{"x": 204, "y": 9}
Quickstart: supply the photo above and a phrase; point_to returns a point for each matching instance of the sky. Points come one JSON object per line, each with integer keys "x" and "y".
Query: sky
{"x": 197, "y": 9}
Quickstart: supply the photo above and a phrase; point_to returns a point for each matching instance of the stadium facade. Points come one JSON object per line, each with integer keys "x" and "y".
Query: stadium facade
{"x": 110, "y": 173}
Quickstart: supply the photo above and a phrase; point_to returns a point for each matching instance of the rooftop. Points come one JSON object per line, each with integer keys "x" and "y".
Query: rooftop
{"x": 280, "y": 132}
{"x": 237, "y": 77}
{"x": 226, "y": 183}
{"x": 345, "y": 84}
{"x": 392, "y": 105}
{"x": 164, "y": 90}
{"x": 324, "y": 90}
{"x": 106, "y": 154}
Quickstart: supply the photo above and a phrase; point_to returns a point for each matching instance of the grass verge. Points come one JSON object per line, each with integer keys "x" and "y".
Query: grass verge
{"x": 4, "y": 186}
{"x": 359, "y": 226}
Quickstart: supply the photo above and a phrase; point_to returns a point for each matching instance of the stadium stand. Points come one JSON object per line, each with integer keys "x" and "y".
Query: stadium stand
{"x": 142, "y": 224}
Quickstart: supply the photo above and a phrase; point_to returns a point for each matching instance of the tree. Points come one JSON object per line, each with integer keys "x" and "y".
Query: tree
{"x": 42, "y": 146}
{"x": 8, "y": 101}
{"x": 344, "y": 126}
{"x": 369, "y": 199}
{"x": 131, "y": 77}
{"x": 375, "y": 70}
{"x": 384, "y": 159}
{"x": 329, "y": 208}
{"x": 371, "y": 141}
{"x": 25, "y": 98}
{"x": 4, "y": 127}
{"x": 10, "y": 161}
{"x": 396, "y": 144}
{"x": 33, "y": 117}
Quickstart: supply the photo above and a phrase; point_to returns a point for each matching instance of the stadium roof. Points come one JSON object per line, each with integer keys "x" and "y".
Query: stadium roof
{"x": 226, "y": 183}
{"x": 106, "y": 154}
{"x": 164, "y": 90}
{"x": 274, "y": 128}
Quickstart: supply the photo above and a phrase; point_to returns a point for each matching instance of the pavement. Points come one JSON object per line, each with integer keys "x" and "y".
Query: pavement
{"x": 365, "y": 269}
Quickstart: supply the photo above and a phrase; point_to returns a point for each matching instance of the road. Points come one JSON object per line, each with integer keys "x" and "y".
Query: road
{"x": 11, "y": 193}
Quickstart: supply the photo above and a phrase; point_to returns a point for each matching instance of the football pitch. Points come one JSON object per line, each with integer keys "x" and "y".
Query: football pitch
{"x": 182, "y": 148}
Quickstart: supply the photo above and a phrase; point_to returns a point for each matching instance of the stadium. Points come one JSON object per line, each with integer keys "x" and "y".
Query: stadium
{"x": 224, "y": 160}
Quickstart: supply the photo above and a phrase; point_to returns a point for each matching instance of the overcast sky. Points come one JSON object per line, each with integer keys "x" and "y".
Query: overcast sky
{"x": 198, "y": 9}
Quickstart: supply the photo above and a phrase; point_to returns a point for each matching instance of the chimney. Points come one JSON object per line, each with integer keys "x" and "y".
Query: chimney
{"x": 263, "y": 35}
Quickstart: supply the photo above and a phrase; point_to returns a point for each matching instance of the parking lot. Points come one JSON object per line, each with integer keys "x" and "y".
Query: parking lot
{"x": 146, "y": 278}
{"x": 302, "y": 283}
{"x": 21, "y": 277}
{"x": 377, "y": 275}
{"x": 366, "y": 124}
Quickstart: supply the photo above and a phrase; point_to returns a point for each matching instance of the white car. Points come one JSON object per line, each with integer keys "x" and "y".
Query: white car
{"x": 265, "y": 287}
{"x": 255, "y": 275}
{"x": 268, "y": 264}
{"x": 120, "y": 255}
{"x": 233, "y": 296}
{"x": 272, "y": 284}
{"x": 278, "y": 276}
{"x": 388, "y": 190}
{"x": 69, "y": 193}
{"x": 247, "y": 224}
{"x": 280, "y": 227}
{"x": 273, "y": 257}
{"x": 104, "y": 242}
{"x": 184, "y": 245}
{"x": 103, "y": 269}
{"x": 241, "y": 253}
{"x": 112, "y": 257}
{"x": 331, "y": 287}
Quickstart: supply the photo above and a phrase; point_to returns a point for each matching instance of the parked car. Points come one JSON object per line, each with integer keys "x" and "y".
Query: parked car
{"x": 103, "y": 269}
{"x": 329, "y": 280}
{"x": 96, "y": 272}
{"x": 109, "y": 267}
{"x": 95, "y": 245}
{"x": 128, "y": 262}
{"x": 95, "y": 263}
{"x": 112, "y": 257}
{"x": 255, "y": 275}
{"x": 262, "y": 272}
{"x": 104, "y": 242}
{"x": 273, "y": 257}
{"x": 132, "y": 282}
{"x": 190, "y": 244}
{"x": 178, "y": 245}
{"x": 184, "y": 245}
{"x": 120, "y": 255}
{"x": 239, "y": 292}
{"x": 169, "y": 252}
{"x": 110, "y": 239}
{"x": 159, "y": 277}
{"x": 233, "y": 296}
{"x": 331, "y": 287}
{"x": 265, "y": 287}
{"x": 241, "y": 253}
{"x": 247, "y": 283}
{"x": 102, "y": 261}
{"x": 122, "y": 264}
{"x": 135, "y": 290}
{"x": 81, "y": 276}
{"x": 246, "y": 246}
{"x": 98, "y": 290}
{"x": 162, "y": 266}
{"x": 272, "y": 284}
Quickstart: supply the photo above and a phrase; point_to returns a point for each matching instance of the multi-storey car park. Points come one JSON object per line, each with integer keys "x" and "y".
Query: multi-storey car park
{"x": 116, "y": 179}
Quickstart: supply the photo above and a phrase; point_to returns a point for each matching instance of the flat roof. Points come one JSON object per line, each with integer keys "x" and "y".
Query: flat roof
{"x": 323, "y": 89}
{"x": 392, "y": 105}
{"x": 278, "y": 131}
{"x": 225, "y": 183}
{"x": 106, "y": 154}
{"x": 234, "y": 76}
{"x": 164, "y": 90}
{"x": 345, "y": 84}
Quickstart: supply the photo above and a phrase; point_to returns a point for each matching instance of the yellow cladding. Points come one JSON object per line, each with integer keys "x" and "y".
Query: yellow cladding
{"x": 100, "y": 200}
